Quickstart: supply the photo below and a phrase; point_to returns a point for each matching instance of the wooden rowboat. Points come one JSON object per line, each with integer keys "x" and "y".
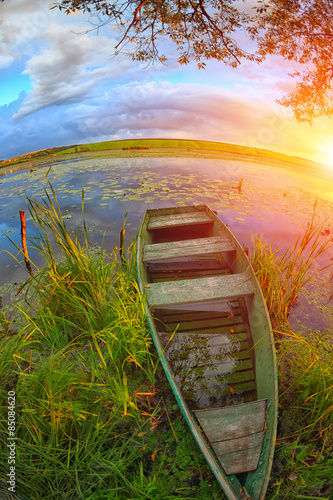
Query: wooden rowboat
{"x": 210, "y": 325}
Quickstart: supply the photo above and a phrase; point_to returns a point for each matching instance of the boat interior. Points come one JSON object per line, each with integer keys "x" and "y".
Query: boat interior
{"x": 200, "y": 305}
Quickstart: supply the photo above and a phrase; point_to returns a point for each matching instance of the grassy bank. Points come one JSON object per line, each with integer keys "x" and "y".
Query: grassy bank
{"x": 34, "y": 155}
{"x": 92, "y": 420}
{"x": 154, "y": 147}
{"x": 163, "y": 143}
{"x": 303, "y": 462}
{"x": 187, "y": 144}
{"x": 95, "y": 418}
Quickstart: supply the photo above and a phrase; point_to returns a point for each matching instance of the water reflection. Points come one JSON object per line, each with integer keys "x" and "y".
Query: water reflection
{"x": 210, "y": 352}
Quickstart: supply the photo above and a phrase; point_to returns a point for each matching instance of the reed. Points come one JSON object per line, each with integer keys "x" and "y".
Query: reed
{"x": 303, "y": 461}
{"x": 282, "y": 275}
{"x": 91, "y": 419}
{"x": 90, "y": 423}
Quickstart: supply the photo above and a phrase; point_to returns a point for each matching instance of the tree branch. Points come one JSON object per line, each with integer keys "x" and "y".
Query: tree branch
{"x": 210, "y": 21}
{"x": 134, "y": 22}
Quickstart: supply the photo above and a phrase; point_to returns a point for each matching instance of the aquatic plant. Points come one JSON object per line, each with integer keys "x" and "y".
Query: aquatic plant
{"x": 90, "y": 420}
{"x": 282, "y": 274}
{"x": 303, "y": 461}
{"x": 95, "y": 416}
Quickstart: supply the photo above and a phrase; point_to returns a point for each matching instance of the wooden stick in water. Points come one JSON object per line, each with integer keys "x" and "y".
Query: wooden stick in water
{"x": 24, "y": 241}
{"x": 121, "y": 246}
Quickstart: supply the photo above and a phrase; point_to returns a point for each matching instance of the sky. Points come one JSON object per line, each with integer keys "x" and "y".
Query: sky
{"x": 61, "y": 85}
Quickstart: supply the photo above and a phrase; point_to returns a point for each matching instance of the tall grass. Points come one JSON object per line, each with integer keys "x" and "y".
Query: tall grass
{"x": 88, "y": 414}
{"x": 282, "y": 275}
{"x": 81, "y": 337}
{"x": 91, "y": 422}
{"x": 303, "y": 464}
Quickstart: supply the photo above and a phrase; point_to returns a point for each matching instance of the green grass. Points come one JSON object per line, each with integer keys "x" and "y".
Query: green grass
{"x": 282, "y": 275}
{"x": 158, "y": 143}
{"x": 303, "y": 462}
{"x": 95, "y": 416}
{"x": 221, "y": 147}
{"x": 92, "y": 421}
{"x": 155, "y": 144}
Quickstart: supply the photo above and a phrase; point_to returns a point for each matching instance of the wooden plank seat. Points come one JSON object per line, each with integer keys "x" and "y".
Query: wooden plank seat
{"x": 229, "y": 287}
{"x": 205, "y": 324}
{"x": 187, "y": 248}
{"x": 176, "y": 220}
{"x": 203, "y": 265}
{"x": 236, "y": 434}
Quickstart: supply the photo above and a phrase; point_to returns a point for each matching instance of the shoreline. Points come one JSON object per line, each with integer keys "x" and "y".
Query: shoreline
{"x": 139, "y": 147}
{"x": 307, "y": 167}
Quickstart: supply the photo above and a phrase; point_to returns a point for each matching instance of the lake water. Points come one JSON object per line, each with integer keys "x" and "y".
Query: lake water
{"x": 275, "y": 200}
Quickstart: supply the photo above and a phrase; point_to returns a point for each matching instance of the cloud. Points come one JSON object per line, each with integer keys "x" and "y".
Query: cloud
{"x": 79, "y": 94}
{"x": 162, "y": 109}
{"x": 6, "y": 60}
{"x": 156, "y": 109}
{"x": 20, "y": 22}
{"x": 62, "y": 64}
{"x": 69, "y": 68}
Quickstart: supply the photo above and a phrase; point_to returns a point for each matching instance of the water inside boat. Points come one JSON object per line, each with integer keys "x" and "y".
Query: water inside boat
{"x": 211, "y": 352}
{"x": 205, "y": 313}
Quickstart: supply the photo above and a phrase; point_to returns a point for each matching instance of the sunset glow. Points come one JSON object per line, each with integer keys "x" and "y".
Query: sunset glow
{"x": 93, "y": 97}
{"x": 326, "y": 154}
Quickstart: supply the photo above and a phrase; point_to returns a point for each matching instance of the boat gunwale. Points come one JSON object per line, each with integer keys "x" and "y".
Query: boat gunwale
{"x": 230, "y": 484}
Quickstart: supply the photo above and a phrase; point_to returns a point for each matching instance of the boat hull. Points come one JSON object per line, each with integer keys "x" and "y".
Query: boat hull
{"x": 211, "y": 328}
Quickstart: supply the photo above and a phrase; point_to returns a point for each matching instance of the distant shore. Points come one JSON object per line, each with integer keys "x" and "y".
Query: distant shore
{"x": 165, "y": 147}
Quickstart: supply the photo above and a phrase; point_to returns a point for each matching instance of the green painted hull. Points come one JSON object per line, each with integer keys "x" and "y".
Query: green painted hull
{"x": 194, "y": 240}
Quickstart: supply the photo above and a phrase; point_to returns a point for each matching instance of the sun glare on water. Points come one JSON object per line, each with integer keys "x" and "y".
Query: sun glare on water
{"x": 327, "y": 155}
{"x": 329, "y": 160}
